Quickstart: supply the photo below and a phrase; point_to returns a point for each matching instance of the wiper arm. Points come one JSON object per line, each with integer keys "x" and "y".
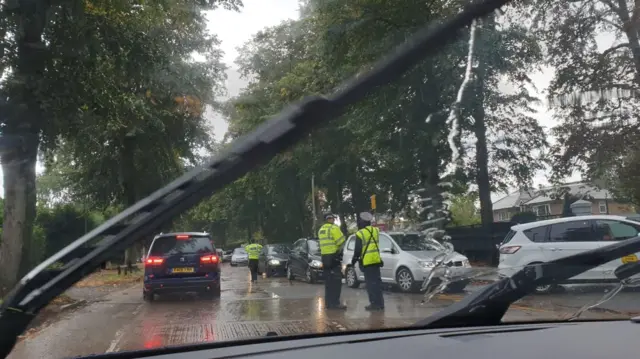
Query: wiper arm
{"x": 41, "y": 285}
{"x": 488, "y": 305}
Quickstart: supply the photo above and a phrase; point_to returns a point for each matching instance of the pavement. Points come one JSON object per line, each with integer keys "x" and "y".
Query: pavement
{"x": 120, "y": 320}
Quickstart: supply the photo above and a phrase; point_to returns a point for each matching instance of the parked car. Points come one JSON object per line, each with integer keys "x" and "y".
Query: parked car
{"x": 273, "y": 259}
{"x": 408, "y": 260}
{"x": 239, "y": 257}
{"x": 305, "y": 261}
{"x": 543, "y": 241}
{"x": 226, "y": 256}
{"x": 181, "y": 262}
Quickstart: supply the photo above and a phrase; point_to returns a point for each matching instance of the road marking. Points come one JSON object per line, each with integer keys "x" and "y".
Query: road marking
{"x": 115, "y": 342}
{"x": 339, "y": 326}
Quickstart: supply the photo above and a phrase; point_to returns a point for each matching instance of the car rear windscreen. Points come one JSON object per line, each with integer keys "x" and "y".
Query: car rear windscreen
{"x": 508, "y": 237}
{"x": 171, "y": 245}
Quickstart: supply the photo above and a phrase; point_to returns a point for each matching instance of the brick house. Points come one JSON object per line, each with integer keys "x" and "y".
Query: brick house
{"x": 547, "y": 202}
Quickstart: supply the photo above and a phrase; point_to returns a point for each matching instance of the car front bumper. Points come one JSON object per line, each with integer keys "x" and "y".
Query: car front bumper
{"x": 278, "y": 269}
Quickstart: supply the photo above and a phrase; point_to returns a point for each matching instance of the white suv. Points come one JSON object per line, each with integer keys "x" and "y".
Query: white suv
{"x": 544, "y": 241}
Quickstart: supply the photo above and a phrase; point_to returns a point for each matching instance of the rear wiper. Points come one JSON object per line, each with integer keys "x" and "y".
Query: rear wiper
{"x": 41, "y": 285}
{"x": 488, "y": 305}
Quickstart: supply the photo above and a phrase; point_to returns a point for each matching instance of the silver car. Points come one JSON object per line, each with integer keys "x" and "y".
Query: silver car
{"x": 408, "y": 261}
{"x": 239, "y": 257}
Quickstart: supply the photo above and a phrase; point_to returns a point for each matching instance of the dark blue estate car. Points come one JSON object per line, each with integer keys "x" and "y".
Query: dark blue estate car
{"x": 182, "y": 262}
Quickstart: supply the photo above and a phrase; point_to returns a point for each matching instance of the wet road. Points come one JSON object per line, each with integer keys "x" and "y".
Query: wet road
{"x": 122, "y": 321}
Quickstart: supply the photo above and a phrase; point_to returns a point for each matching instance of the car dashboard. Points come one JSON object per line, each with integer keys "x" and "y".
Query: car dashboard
{"x": 600, "y": 339}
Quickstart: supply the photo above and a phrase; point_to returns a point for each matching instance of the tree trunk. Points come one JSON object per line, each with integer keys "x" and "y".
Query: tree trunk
{"x": 130, "y": 190}
{"x": 23, "y": 117}
{"x": 480, "y": 131}
{"x": 19, "y": 175}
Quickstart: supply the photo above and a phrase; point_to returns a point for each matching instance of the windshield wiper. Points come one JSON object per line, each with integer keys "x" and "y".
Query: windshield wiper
{"x": 41, "y": 285}
{"x": 488, "y": 305}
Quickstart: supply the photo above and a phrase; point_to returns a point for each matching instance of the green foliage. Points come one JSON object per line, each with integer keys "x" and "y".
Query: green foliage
{"x": 464, "y": 211}
{"x": 62, "y": 224}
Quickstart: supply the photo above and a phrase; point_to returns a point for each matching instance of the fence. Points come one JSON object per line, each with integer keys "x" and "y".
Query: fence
{"x": 479, "y": 243}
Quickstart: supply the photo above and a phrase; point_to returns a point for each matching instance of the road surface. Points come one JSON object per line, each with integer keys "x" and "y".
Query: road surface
{"x": 121, "y": 321}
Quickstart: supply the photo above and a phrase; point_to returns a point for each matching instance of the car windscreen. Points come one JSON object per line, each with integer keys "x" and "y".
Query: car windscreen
{"x": 171, "y": 245}
{"x": 417, "y": 242}
{"x": 314, "y": 247}
{"x": 239, "y": 251}
{"x": 278, "y": 249}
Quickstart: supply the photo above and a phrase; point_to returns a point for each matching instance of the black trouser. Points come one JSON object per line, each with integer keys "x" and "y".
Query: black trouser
{"x": 332, "y": 281}
{"x": 253, "y": 267}
{"x": 373, "y": 281}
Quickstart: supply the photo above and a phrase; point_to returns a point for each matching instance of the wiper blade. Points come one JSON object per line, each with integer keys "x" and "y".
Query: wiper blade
{"x": 488, "y": 305}
{"x": 41, "y": 285}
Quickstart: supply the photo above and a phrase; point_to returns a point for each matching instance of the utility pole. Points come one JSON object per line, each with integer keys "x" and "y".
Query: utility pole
{"x": 313, "y": 202}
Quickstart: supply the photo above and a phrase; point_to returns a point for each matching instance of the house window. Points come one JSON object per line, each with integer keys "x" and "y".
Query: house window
{"x": 542, "y": 210}
{"x": 602, "y": 206}
{"x": 503, "y": 216}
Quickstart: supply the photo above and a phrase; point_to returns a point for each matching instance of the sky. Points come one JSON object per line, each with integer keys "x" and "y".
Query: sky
{"x": 235, "y": 28}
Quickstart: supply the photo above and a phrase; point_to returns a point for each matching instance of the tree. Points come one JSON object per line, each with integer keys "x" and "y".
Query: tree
{"x": 464, "y": 211}
{"x": 594, "y": 91}
{"x": 99, "y": 78}
{"x": 510, "y": 143}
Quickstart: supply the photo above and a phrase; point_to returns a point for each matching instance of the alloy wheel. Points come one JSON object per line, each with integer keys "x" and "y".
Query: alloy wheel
{"x": 405, "y": 280}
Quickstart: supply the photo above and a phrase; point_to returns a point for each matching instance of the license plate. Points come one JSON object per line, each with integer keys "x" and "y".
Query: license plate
{"x": 632, "y": 258}
{"x": 182, "y": 270}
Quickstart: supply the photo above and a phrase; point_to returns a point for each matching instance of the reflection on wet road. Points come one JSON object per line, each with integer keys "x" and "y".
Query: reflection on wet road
{"x": 122, "y": 321}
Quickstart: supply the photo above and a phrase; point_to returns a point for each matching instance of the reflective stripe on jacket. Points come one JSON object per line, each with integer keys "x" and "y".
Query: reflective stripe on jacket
{"x": 331, "y": 238}
{"x": 370, "y": 237}
{"x": 253, "y": 250}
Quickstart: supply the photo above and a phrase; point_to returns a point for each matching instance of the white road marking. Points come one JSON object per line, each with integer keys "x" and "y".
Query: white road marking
{"x": 115, "y": 343}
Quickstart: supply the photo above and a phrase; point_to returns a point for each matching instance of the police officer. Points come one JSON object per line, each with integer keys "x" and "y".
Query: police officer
{"x": 367, "y": 253}
{"x": 331, "y": 240}
{"x": 253, "y": 251}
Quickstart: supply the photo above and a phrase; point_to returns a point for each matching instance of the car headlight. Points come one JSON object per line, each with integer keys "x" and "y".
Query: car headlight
{"x": 315, "y": 263}
{"x": 466, "y": 263}
{"x": 427, "y": 264}
{"x": 274, "y": 262}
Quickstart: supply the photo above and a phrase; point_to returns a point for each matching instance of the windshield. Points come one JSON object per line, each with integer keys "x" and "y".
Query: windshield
{"x": 278, "y": 249}
{"x": 417, "y": 242}
{"x": 168, "y": 246}
{"x": 314, "y": 247}
{"x": 126, "y": 124}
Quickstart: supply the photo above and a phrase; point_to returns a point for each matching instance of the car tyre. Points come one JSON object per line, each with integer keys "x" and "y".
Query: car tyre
{"x": 267, "y": 272}
{"x": 544, "y": 289}
{"x": 351, "y": 277}
{"x": 290, "y": 274}
{"x": 148, "y": 296}
{"x": 405, "y": 281}
{"x": 311, "y": 279}
{"x": 213, "y": 293}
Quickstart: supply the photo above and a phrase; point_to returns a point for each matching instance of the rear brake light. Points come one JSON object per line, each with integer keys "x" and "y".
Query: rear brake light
{"x": 509, "y": 249}
{"x": 182, "y": 236}
{"x": 154, "y": 261}
{"x": 209, "y": 259}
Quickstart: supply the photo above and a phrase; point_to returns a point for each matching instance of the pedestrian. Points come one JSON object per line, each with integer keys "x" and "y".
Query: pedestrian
{"x": 253, "y": 251}
{"x": 331, "y": 240}
{"x": 367, "y": 253}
